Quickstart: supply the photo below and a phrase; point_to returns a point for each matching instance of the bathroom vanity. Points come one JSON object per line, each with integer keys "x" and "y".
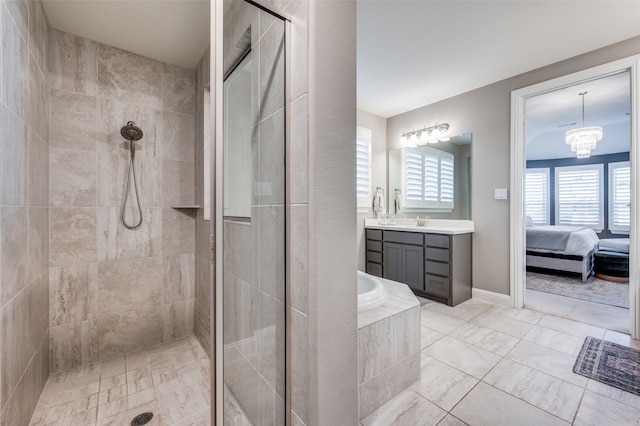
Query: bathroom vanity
{"x": 433, "y": 260}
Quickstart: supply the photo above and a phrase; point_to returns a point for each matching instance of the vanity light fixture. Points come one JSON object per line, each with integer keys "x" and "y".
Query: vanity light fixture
{"x": 432, "y": 133}
{"x": 583, "y": 139}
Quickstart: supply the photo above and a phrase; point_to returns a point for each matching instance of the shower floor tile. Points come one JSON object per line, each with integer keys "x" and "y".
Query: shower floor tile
{"x": 170, "y": 380}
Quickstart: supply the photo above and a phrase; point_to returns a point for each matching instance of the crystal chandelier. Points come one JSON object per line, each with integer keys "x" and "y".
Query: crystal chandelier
{"x": 583, "y": 140}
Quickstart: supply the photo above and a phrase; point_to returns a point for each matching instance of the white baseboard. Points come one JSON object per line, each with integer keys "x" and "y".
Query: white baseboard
{"x": 491, "y": 297}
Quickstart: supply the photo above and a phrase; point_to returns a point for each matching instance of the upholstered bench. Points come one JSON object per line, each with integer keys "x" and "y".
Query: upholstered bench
{"x": 614, "y": 244}
{"x": 611, "y": 265}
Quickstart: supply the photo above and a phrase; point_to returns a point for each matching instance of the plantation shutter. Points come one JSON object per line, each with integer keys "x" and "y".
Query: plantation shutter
{"x": 579, "y": 196}
{"x": 431, "y": 173}
{"x": 413, "y": 177}
{"x": 619, "y": 197}
{"x": 536, "y": 198}
{"x": 446, "y": 180}
{"x": 363, "y": 169}
{"x": 428, "y": 179}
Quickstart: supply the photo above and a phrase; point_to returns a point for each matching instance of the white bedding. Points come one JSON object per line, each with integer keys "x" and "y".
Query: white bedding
{"x": 581, "y": 241}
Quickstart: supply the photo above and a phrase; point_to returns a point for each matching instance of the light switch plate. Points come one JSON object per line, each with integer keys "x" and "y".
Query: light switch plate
{"x": 500, "y": 194}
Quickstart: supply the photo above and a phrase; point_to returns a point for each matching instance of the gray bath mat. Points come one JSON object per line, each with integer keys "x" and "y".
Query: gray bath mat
{"x": 610, "y": 363}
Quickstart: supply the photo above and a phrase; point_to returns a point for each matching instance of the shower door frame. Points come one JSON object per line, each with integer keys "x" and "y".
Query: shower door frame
{"x": 216, "y": 330}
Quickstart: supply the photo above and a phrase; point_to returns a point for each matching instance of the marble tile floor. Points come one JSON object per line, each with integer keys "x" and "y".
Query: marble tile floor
{"x": 170, "y": 380}
{"x": 610, "y": 317}
{"x": 484, "y": 364}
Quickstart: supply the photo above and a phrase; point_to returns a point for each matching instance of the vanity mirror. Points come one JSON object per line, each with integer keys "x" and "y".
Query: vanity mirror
{"x": 433, "y": 179}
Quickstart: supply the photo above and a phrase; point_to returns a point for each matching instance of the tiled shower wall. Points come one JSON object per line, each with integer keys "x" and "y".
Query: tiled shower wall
{"x": 24, "y": 213}
{"x": 115, "y": 290}
{"x": 203, "y": 252}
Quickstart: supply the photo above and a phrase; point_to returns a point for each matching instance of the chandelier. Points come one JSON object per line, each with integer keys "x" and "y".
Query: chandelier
{"x": 583, "y": 140}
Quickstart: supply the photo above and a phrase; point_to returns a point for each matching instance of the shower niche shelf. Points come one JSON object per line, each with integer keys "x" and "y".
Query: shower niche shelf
{"x": 186, "y": 207}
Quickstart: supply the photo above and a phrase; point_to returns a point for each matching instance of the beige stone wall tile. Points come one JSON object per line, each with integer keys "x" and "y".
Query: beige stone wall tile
{"x": 14, "y": 160}
{"x": 14, "y": 255}
{"x": 73, "y": 120}
{"x": 38, "y": 34}
{"x": 126, "y": 285}
{"x": 128, "y": 77}
{"x": 73, "y": 344}
{"x": 178, "y": 89}
{"x": 15, "y": 58}
{"x": 178, "y": 232}
{"x": 178, "y": 278}
{"x": 72, "y": 236}
{"x": 113, "y": 114}
{"x": 38, "y": 108}
{"x": 178, "y": 136}
{"x": 115, "y": 241}
{"x": 130, "y": 331}
{"x": 177, "y": 183}
{"x": 73, "y": 178}
{"x": 178, "y": 320}
{"x": 72, "y": 290}
{"x": 73, "y": 63}
{"x": 38, "y": 172}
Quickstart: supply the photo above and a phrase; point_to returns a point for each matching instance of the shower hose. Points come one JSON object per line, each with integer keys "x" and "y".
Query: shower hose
{"x": 132, "y": 171}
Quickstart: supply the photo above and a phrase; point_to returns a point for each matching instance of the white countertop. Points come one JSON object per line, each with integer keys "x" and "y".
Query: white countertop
{"x": 435, "y": 226}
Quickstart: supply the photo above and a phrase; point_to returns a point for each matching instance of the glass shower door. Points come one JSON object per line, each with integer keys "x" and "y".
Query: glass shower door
{"x": 253, "y": 223}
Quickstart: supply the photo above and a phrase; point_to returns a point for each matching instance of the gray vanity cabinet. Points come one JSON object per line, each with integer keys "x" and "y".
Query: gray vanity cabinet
{"x": 437, "y": 266}
{"x": 403, "y": 257}
{"x": 403, "y": 263}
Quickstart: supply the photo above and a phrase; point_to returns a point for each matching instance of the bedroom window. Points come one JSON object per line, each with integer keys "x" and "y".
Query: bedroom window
{"x": 579, "y": 196}
{"x": 619, "y": 197}
{"x": 363, "y": 169}
{"x": 428, "y": 179}
{"x": 536, "y": 195}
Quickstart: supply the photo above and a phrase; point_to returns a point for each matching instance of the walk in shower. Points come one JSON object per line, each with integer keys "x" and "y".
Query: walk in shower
{"x": 107, "y": 291}
{"x": 253, "y": 216}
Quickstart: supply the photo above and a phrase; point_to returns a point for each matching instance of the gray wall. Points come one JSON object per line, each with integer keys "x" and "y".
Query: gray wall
{"x": 486, "y": 113}
{"x": 24, "y": 211}
{"x": 378, "y": 127}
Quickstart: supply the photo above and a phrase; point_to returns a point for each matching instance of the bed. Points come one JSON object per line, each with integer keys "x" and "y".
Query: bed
{"x": 562, "y": 248}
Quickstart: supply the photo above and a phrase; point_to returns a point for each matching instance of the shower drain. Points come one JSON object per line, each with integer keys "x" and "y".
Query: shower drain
{"x": 141, "y": 419}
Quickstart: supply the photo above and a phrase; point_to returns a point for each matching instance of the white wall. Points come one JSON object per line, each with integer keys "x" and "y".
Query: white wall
{"x": 378, "y": 127}
{"x": 486, "y": 113}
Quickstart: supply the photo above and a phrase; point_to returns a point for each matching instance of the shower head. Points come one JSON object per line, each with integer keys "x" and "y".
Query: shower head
{"x": 130, "y": 132}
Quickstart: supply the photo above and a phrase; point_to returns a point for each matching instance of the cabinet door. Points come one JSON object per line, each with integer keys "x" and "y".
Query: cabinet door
{"x": 392, "y": 261}
{"x": 413, "y": 261}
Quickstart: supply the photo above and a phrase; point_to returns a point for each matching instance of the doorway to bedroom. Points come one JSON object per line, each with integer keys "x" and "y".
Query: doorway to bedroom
{"x": 577, "y": 201}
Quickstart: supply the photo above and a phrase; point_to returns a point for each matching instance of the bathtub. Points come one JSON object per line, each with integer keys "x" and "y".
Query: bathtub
{"x": 371, "y": 292}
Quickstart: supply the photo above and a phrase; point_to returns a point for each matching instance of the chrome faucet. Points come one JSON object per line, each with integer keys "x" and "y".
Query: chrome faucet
{"x": 422, "y": 222}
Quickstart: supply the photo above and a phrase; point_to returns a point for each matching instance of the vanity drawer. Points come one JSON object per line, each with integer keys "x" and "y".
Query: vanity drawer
{"x": 374, "y": 234}
{"x": 437, "y": 268}
{"x": 436, "y": 240}
{"x": 374, "y": 269}
{"x": 415, "y": 238}
{"x": 437, "y": 286}
{"x": 439, "y": 254}
{"x": 374, "y": 256}
{"x": 374, "y": 245}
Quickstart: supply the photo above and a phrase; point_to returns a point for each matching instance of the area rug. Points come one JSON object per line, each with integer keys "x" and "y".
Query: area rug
{"x": 594, "y": 290}
{"x": 610, "y": 363}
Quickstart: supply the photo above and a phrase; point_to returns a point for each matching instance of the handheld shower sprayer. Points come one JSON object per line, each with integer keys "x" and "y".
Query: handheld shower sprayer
{"x": 132, "y": 133}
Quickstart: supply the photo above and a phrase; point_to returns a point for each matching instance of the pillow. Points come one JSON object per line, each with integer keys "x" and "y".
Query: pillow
{"x": 528, "y": 221}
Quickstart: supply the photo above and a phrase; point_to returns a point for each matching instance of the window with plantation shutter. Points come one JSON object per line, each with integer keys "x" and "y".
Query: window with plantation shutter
{"x": 428, "y": 179}
{"x": 619, "y": 197}
{"x": 363, "y": 169}
{"x": 579, "y": 199}
{"x": 536, "y": 195}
